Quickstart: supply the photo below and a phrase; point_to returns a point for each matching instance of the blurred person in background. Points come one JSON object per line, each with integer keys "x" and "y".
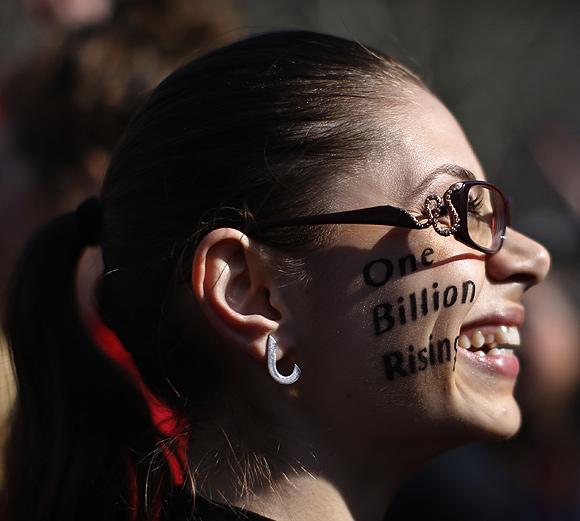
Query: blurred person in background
{"x": 64, "y": 107}
{"x": 7, "y": 395}
{"x": 557, "y": 152}
{"x": 69, "y": 13}
{"x": 545, "y": 456}
{"x": 536, "y": 475}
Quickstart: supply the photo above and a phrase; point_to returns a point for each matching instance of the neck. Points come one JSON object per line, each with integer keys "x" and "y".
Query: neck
{"x": 312, "y": 497}
{"x": 287, "y": 469}
{"x": 317, "y": 485}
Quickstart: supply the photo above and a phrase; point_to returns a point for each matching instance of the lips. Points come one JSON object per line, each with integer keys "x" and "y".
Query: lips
{"x": 489, "y": 342}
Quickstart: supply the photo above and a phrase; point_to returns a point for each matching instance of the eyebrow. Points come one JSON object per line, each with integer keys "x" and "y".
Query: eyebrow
{"x": 448, "y": 169}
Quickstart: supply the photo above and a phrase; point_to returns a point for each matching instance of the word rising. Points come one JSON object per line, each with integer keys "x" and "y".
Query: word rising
{"x": 415, "y": 360}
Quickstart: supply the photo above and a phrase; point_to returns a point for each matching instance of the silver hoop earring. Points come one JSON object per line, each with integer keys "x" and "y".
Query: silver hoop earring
{"x": 272, "y": 347}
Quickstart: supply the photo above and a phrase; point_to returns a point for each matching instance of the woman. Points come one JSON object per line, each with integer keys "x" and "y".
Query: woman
{"x": 313, "y": 356}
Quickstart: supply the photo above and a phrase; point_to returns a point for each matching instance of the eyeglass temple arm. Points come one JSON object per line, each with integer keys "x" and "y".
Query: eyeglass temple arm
{"x": 385, "y": 215}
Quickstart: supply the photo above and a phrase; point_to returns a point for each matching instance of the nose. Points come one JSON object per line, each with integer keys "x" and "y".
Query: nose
{"x": 520, "y": 259}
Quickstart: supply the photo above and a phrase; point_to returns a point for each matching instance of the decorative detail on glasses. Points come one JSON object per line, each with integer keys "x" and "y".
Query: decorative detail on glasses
{"x": 434, "y": 205}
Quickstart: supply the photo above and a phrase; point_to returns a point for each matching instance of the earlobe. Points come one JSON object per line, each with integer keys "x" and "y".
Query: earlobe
{"x": 231, "y": 284}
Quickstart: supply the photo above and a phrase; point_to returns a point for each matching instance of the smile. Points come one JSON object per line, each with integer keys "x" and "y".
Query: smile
{"x": 490, "y": 340}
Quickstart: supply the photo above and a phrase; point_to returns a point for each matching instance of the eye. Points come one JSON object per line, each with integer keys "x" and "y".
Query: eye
{"x": 475, "y": 204}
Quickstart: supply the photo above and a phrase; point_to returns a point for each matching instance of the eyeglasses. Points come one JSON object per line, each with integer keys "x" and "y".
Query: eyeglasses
{"x": 475, "y": 212}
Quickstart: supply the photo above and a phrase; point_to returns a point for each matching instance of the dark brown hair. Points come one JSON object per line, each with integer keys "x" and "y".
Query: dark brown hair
{"x": 261, "y": 128}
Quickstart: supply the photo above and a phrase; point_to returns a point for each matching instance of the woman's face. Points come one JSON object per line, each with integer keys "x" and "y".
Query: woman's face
{"x": 377, "y": 339}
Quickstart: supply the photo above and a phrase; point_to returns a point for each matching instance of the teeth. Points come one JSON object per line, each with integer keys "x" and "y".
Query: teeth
{"x": 514, "y": 336}
{"x": 480, "y": 353}
{"x": 500, "y": 352}
{"x": 464, "y": 342}
{"x": 503, "y": 336}
{"x": 477, "y": 339}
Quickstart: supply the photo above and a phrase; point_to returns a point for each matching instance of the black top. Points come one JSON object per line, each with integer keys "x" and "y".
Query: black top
{"x": 182, "y": 510}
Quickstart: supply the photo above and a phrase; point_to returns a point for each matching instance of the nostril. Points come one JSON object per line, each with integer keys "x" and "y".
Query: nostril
{"x": 526, "y": 280}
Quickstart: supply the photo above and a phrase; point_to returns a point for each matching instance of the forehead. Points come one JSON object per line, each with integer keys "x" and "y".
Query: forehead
{"x": 427, "y": 140}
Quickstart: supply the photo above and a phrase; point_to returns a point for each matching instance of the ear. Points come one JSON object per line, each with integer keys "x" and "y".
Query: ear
{"x": 234, "y": 286}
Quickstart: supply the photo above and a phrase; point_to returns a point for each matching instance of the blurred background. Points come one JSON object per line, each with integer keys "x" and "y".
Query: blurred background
{"x": 72, "y": 72}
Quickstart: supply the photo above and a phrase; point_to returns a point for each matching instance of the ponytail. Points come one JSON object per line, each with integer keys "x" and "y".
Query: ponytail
{"x": 82, "y": 438}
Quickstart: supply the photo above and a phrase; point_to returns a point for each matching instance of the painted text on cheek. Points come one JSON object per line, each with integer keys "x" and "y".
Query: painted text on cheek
{"x": 378, "y": 272}
{"x": 414, "y": 360}
{"x": 408, "y": 308}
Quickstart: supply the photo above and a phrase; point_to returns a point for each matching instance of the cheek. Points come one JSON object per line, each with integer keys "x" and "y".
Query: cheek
{"x": 415, "y": 317}
{"x": 386, "y": 329}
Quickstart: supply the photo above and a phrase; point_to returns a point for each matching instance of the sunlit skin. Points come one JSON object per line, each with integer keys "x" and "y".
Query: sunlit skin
{"x": 356, "y": 433}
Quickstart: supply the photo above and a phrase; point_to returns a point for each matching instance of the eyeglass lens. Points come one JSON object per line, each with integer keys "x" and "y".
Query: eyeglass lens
{"x": 485, "y": 216}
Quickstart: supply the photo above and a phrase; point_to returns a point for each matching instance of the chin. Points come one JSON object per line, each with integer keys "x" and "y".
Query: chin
{"x": 508, "y": 422}
{"x": 494, "y": 421}
{"x": 483, "y": 399}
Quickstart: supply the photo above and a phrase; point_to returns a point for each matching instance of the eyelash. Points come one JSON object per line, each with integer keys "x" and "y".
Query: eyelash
{"x": 475, "y": 205}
